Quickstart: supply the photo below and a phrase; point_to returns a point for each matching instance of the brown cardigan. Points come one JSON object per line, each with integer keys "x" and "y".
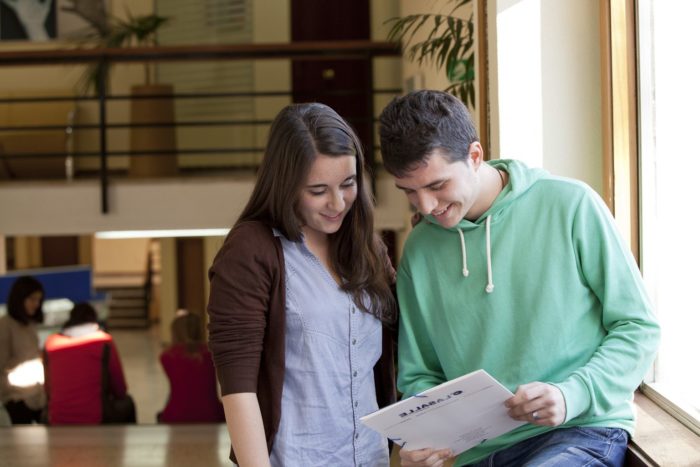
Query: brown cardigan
{"x": 247, "y": 323}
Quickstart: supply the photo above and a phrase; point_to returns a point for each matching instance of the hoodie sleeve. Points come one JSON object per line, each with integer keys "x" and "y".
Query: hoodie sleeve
{"x": 627, "y": 351}
{"x": 419, "y": 366}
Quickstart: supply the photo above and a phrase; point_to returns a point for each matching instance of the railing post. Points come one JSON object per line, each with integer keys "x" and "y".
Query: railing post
{"x": 102, "y": 99}
{"x": 371, "y": 160}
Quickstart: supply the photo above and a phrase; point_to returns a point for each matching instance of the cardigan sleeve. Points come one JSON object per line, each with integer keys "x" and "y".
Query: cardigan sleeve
{"x": 241, "y": 279}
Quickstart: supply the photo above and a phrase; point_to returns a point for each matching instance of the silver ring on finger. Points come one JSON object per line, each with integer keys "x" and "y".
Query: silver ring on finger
{"x": 535, "y": 415}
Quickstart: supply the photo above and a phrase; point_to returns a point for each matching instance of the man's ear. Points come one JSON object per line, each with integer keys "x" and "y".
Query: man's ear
{"x": 476, "y": 154}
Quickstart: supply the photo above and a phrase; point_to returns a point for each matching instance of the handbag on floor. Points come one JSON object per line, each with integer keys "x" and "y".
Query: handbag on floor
{"x": 114, "y": 410}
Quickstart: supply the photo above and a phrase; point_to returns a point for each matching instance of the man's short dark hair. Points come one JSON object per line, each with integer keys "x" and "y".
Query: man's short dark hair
{"x": 411, "y": 127}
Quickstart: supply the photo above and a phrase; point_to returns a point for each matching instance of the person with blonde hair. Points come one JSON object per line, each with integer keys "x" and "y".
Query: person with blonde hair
{"x": 188, "y": 365}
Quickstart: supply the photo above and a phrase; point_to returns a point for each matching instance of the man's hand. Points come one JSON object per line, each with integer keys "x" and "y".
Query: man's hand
{"x": 424, "y": 457}
{"x": 538, "y": 403}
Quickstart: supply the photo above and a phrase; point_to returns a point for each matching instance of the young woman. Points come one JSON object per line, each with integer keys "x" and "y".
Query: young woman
{"x": 187, "y": 362}
{"x": 19, "y": 343}
{"x": 299, "y": 295}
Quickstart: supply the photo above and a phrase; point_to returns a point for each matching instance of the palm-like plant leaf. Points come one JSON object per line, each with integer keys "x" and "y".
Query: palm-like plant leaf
{"x": 134, "y": 30}
{"x": 449, "y": 45}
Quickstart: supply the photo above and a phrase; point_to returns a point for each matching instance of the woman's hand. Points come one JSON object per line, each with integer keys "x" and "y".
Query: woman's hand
{"x": 424, "y": 457}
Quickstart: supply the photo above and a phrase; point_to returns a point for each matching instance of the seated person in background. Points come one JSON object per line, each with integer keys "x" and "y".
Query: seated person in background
{"x": 84, "y": 379}
{"x": 5, "y": 420}
{"x": 19, "y": 344}
{"x": 188, "y": 364}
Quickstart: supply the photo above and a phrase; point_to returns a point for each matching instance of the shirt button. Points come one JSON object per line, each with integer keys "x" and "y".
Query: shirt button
{"x": 357, "y": 435}
{"x": 354, "y": 374}
{"x": 353, "y": 310}
{"x": 356, "y": 403}
{"x": 354, "y": 341}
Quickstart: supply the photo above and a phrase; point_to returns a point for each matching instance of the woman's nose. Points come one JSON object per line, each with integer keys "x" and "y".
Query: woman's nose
{"x": 337, "y": 202}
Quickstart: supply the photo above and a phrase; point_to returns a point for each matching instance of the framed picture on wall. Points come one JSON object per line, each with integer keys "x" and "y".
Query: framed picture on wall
{"x": 42, "y": 20}
{"x": 33, "y": 20}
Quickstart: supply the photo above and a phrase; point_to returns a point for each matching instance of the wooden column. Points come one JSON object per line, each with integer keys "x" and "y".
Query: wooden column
{"x": 157, "y": 138}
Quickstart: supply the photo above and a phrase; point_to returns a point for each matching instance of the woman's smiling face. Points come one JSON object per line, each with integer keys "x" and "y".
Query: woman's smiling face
{"x": 328, "y": 194}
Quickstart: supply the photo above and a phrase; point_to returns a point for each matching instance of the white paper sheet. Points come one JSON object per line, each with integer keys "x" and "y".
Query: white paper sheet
{"x": 458, "y": 414}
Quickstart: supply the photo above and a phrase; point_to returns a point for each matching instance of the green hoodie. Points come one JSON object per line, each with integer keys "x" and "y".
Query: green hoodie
{"x": 567, "y": 305}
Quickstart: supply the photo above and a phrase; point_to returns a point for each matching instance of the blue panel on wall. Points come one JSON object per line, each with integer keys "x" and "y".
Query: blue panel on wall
{"x": 73, "y": 283}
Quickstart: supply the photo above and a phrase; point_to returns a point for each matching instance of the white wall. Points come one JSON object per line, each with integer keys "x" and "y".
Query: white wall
{"x": 547, "y": 82}
{"x": 74, "y": 208}
{"x": 428, "y": 76}
{"x": 519, "y": 81}
{"x": 571, "y": 93}
{"x": 58, "y": 208}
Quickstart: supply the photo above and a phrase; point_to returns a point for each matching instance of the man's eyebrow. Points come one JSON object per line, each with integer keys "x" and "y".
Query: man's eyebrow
{"x": 429, "y": 185}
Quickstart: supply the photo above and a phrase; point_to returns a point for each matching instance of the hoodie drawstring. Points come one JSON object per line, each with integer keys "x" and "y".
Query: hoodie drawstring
{"x": 489, "y": 271}
{"x": 465, "y": 271}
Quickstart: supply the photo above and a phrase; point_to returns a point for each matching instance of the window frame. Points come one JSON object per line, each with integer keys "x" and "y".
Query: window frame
{"x": 625, "y": 79}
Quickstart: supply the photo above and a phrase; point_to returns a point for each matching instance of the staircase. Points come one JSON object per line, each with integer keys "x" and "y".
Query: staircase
{"x": 128, "y": 307}
{"x": 124, "y": 269}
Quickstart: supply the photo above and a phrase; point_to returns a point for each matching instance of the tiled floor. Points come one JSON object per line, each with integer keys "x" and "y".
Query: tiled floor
{"x": 147, "y": 383}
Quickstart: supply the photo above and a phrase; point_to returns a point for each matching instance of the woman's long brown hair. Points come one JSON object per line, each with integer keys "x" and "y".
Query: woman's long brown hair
{"x": 298, "y": 134}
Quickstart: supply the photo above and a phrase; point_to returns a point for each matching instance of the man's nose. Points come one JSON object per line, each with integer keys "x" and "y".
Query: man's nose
{"x": 425, "y": 203}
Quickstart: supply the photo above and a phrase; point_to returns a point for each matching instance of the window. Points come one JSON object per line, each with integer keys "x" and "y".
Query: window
{"x": 669, "y": 102}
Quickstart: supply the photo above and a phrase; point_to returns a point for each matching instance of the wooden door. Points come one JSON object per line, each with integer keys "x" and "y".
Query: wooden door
{"x": 345, "y": 85}
{"x": 190, "y": 274}
{"x": 59, "y": 251}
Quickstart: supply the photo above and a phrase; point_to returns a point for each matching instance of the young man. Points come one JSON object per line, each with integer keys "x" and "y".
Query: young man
{"x": 520, "y": 273}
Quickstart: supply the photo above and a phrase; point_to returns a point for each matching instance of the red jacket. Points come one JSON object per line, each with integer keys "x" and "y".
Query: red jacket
{"x": 193, "y": 395}
{"x": 73, "y": 367}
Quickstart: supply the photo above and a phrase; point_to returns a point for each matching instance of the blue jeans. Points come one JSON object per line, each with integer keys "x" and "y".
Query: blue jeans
{"x": 577, "y": 446}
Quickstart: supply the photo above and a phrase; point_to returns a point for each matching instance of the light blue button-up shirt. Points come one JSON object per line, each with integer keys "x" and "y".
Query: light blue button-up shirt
{"x": 331, "y": 348}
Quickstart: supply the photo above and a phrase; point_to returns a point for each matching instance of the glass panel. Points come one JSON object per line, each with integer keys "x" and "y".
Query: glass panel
{"x": 670, "y": 162}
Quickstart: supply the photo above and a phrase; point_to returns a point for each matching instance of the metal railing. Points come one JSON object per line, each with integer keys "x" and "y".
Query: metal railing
{"x": 300, "y": 51}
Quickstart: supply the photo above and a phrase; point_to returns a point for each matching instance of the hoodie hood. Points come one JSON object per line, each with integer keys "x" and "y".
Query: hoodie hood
{"x": 521, "y": 178}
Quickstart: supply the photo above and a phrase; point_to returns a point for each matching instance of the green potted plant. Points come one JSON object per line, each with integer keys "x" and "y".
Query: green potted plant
{"x": 107, "y": 31}
{"x": 449, "y": 45}
{"x": 134, "y": 31}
